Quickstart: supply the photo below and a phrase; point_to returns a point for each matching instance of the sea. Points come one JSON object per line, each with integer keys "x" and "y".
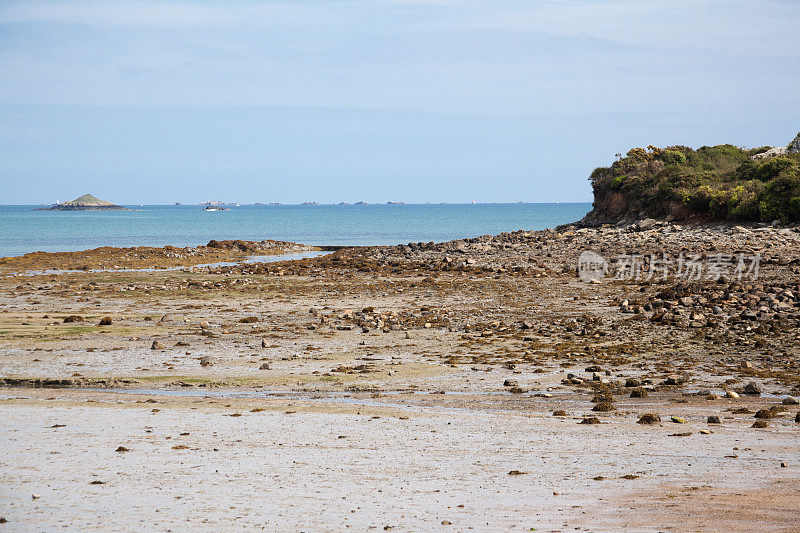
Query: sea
{"x": 25, "y": 229}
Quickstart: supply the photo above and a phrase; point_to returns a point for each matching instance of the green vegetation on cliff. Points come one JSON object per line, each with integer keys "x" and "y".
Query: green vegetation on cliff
{"x": 711, "y": 183}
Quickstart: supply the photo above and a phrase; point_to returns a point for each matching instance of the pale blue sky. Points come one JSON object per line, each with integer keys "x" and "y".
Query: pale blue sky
{"x": 411, "y": 100}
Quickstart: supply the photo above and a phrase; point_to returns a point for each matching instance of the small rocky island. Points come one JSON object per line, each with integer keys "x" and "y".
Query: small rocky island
{"x": 87, "y": 202}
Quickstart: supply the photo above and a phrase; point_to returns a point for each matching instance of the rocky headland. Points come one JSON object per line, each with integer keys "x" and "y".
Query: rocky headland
{"x": 712, "y": 183}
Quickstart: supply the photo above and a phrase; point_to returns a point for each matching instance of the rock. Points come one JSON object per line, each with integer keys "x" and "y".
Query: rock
{"x": 265, "y": 366}
{"x": 510, "y": 383}
{"x": 797, "y": 417}
{"x": 204, "y": 324}
{"x": 157, "y": 346}
{"x": 645, "y": 224}
{"x": 603, "y": 407}
{"x": 263, "y": 343}
{"x": 794, "y": 146}
{"x": 789, "y": 400}
{"x": 590, "y": 420}
{"x": 747, "y": 365}
{"x": 766, "y": 413}
{"x": 73, "y": 318}
{"x": 122, "y": 449}
{"x": 35, "y": 496}
{"x": 714, "y": 420}
{"x": 561, "y": 412}
{"x": 105, "y": 321}
{"x": 639, "y": 393}
{"x": 677, "y": 419}
{"x": 752, "y": 388}
{"x": 731, "y": 394}
{"x": 248, "y": 320}
{"x": 760, "y": 424}
{"x": 632, "y": 382}
{"x": 167, "y": 318}
{"x": 649, "y": 418}
{"x": 206, "y": 360}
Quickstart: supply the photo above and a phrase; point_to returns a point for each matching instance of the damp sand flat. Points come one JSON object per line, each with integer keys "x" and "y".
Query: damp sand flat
{"x": 297, "y": 466}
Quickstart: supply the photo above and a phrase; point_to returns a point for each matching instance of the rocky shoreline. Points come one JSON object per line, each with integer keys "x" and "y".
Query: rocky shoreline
{"x": 496, "y": 330}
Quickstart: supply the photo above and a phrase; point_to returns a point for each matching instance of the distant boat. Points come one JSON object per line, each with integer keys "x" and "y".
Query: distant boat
{"x": 215, "y": 208}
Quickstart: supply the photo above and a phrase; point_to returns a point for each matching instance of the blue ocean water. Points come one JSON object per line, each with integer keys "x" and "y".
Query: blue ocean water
{"x": 23, "y": 229}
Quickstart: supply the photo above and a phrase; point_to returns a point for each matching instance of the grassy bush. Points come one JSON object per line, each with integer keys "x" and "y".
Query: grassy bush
{"x": 718, "y": 182}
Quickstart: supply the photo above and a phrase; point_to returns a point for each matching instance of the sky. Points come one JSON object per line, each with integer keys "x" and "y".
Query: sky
{"x": 403, "y": 100}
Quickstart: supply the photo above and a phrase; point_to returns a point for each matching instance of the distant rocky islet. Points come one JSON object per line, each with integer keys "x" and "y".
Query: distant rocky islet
{"x": 87, "y": 202}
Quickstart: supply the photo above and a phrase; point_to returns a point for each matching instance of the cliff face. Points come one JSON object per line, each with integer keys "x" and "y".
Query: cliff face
{"x": 87, "y": 202}
{"x": 711, "y": 183}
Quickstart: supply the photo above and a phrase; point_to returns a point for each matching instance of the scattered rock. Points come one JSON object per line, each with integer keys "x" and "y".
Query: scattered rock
{"x": 206, "y": 360}
{"x": 590, "y": 420}
{"x": 649, "y": 418}
{"x": 157, "y": 346}
{"x": 760, "y": 424}
{"x": 73, "y": 318}
{"x": 265, "y": 366}
{"x": 559, "y": 412}
{"x": 752, "y": 388}
{"x": 789, "y": 400}
{"x": 678, "y": 419}
{"x": 105, "y": 321}
{"x": 122, "y": 449}
{"x": 714, "y": 420}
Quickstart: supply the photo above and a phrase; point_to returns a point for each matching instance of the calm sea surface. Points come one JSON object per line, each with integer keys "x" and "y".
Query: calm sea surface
{"x": 23, "y": 230}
